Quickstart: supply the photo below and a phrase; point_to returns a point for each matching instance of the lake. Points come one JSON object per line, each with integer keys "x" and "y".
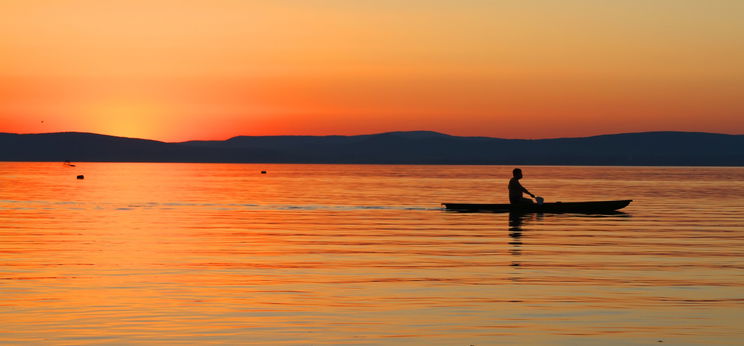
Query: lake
{"x": 363, "y": 254}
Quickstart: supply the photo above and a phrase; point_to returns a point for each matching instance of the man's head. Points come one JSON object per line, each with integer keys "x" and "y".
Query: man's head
{"x": 517, "y": 173}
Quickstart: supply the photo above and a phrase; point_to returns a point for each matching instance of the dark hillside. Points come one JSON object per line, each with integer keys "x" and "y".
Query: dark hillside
{"x": 418, "y": 147}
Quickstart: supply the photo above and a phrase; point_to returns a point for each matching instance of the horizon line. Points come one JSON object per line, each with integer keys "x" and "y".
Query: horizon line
{"x": 371, "y": 134}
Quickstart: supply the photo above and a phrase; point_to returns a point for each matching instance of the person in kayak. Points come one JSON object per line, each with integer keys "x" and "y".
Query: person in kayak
{"x": 516, "y": 189}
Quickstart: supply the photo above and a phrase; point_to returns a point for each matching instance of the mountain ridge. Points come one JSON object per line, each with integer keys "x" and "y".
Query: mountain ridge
{"x": 399, "y": 147}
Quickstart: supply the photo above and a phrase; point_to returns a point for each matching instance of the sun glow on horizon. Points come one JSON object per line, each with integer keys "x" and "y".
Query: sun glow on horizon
{"x": 124, "y": 118}
{"x": 173, "y": 71}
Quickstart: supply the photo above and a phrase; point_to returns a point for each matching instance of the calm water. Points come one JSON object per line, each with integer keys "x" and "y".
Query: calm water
{"x": 362, "y": 254}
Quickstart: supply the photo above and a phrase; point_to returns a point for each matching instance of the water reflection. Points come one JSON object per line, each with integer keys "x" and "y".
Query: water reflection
{"x": 181, "y": 253}
{"x": 515, "y": 232}
{"x": 516, "y": 224}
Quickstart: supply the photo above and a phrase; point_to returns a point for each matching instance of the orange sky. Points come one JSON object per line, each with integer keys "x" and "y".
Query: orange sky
{"x": 176, "y": 70}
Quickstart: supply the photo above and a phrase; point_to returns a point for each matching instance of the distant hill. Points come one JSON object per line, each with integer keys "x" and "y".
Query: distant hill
{"x": 417, "y": 147}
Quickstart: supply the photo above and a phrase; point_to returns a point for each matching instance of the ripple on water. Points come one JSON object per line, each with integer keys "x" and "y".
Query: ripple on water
{"x": 353, "y": 254}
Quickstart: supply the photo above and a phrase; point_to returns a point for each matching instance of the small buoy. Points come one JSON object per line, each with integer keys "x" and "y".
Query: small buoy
{"x": 81, "y": 177}
{"x": 263, "y": 172}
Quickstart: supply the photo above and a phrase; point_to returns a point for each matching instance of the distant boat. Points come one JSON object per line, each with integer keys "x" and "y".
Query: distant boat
{"x": 68, "y": 164}
{"x": 592, "y": 207}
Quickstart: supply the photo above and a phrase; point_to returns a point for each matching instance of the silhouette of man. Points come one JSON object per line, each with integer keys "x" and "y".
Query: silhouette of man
{"x": 516, "y": 189}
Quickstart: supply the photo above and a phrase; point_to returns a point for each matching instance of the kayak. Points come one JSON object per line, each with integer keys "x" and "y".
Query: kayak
{"x": 553, "y": 207}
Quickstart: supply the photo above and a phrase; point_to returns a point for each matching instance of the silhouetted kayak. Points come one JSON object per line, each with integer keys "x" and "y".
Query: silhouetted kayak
{"x": 554, "y": 207}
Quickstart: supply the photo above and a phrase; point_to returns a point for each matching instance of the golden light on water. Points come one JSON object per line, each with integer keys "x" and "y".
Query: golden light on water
{"x": 310, "y": 254}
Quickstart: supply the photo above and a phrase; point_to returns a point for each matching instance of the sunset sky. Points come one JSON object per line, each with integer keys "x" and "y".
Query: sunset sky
{"x": 211, "y": 69}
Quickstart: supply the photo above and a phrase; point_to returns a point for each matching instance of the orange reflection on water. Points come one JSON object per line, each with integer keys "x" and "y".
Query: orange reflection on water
{"x": 342, "y": 254}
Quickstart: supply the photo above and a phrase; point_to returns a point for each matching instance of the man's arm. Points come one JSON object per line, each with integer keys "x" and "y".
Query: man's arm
{"x": 525, "y": 190}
